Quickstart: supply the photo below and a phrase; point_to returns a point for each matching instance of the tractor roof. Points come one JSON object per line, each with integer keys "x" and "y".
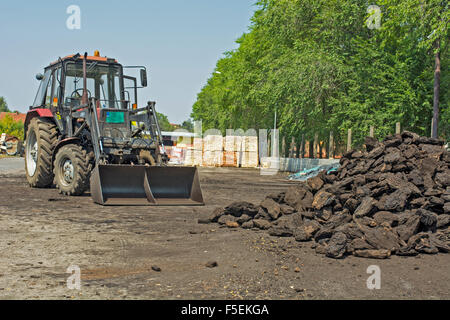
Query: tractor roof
{"x": 89, "y": 58}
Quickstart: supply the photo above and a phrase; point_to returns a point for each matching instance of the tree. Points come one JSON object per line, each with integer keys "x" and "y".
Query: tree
{"x": 3, "y": 105}
{"x": 11, "y": 127}
{"x": 428, "y": 21}
{"x": 188, "y": 125}
{"x": 320, "y": 66}
{"x": 164, "y": 123}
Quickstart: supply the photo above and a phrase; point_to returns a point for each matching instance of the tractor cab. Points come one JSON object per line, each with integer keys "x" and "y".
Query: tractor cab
{"x": 62, "y": 84}
{"x": 72, "y": 81}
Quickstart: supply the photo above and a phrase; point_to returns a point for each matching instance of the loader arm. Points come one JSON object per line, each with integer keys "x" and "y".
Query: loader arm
{"x": 125, "y": 184}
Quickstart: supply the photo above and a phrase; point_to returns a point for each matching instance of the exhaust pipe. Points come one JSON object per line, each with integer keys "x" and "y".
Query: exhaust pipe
{"x": 146, "y": 185}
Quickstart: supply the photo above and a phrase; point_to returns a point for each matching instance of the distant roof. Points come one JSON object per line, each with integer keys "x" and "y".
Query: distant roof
{"x": 177, "y": 134}
{"x": 15, "y": 115}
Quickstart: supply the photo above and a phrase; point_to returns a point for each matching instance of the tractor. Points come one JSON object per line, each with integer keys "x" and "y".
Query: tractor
{"x": 85, "y": 131}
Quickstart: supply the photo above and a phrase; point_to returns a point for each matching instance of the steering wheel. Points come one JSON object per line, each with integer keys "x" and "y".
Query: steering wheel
{"x": 75, "y": 92}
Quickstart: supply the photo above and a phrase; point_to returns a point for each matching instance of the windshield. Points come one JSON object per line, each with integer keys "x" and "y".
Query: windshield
{"x": 103, "y": 83}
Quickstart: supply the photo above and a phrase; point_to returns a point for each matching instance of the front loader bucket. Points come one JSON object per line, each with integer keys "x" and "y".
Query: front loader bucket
{"x": 143, "y": 185}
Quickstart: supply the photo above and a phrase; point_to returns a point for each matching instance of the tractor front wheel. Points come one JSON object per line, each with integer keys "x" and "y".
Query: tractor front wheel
{"x": 72, "y": 170}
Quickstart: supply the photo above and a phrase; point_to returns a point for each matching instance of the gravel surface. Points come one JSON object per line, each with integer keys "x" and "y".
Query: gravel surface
{"x": 12, "y": 166}
{"x": 163, "y": 253}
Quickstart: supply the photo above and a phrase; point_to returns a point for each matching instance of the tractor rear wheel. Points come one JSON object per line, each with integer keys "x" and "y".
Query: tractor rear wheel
{"x": 72, "y": 169}
{"x": 41, "y": 138}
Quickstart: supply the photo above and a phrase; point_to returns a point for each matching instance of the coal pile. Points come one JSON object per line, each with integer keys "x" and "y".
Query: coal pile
{"x": 391, "y": 198}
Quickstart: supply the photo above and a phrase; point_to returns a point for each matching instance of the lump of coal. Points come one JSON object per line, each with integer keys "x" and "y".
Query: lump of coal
{"x": 241, "y": 207}
{"x": 337, "y": 245}
{"x": 272, "y": 208}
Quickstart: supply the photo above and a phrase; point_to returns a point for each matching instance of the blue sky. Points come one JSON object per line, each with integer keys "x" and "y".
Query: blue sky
{"x": 178, "y": 41}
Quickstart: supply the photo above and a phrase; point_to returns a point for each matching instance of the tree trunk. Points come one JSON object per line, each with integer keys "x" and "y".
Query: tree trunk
{"x": 331, "y": 146}
{"x": 315, "y": 145}
{"x": 437, "y": 78}
{"x": 302, "y": 147}
{"x": 293, "y": 150}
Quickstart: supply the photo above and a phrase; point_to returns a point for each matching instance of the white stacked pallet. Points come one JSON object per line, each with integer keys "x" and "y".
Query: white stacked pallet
{"x": 229, "y": 153}
{"x": 197, "y": 156}
{"x": 249, "y": 157}
{"x": 239, "y": 149}
{"x": 250, "y": 143}
{"x": 228, "y": 143}
{"x": 213, "y": 143}
{"x": 213, "y": 158}
{"x": 189, "y": 157}
{"x": 213, "y": 151}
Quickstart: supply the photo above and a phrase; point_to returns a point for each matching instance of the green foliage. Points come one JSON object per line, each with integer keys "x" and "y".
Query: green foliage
{"x": 164, "y": 123}
{"x": 188, "y": 125}
{"x": 3, "y": 105}
{"x": 321, "y": 68}
{"x": 11, "y": 127}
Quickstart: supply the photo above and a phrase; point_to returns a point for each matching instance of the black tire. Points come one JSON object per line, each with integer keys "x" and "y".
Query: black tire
{"x": 42, "y": 135}
{"x": 72, "y": 170}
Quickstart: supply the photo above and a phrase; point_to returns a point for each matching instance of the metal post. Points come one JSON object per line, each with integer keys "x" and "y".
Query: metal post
{"x": 331, "y": 146}
{"x": 274, "y": 136}
{"x": 397, "y": 128}
{"x": 302, "y": 147}
{"x": 349, "y": 140}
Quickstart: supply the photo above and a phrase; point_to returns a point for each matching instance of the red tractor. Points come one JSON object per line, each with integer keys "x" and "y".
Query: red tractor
{"x": 85, "y": 130}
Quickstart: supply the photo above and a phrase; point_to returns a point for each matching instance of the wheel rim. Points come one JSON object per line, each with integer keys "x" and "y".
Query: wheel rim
{"x": 66, "y": 171}
{"x": 31, "y": 153}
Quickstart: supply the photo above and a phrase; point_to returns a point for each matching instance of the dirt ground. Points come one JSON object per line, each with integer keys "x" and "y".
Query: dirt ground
{"x": 43, "y": 233}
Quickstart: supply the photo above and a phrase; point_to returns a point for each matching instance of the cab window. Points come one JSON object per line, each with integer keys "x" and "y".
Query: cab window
{"x": 42, "y": 91}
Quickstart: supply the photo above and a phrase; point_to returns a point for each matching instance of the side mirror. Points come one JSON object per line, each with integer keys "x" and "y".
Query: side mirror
{"x": 143, "y": 78}
{"x": 39, "y": 76}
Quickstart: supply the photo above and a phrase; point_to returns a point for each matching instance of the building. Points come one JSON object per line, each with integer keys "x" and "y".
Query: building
{"x": 18, "y": 117}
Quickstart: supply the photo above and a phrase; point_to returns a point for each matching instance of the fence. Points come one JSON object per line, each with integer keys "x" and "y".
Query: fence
{"x": 316, "y": 149}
